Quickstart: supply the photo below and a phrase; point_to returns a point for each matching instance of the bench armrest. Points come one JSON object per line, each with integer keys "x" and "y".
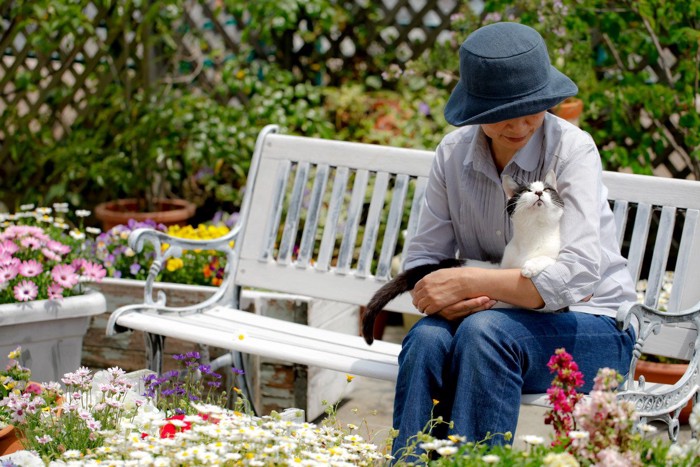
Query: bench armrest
{"x": 166, "y": 246}
{"x": 651, "y": 321}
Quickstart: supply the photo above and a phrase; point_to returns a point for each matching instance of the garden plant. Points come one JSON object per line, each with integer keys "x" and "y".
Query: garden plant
{"x": 99, "y": 418}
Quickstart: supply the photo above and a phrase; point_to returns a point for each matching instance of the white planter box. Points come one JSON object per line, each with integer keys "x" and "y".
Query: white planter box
{"x": 50, "y": 333}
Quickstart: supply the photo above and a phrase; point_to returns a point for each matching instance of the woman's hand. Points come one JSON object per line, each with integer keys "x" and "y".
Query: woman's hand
{"x": 446, "y": 292}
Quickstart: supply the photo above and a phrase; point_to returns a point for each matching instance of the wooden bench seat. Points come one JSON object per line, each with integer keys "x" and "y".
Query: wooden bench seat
{"x": 325, "y": 219}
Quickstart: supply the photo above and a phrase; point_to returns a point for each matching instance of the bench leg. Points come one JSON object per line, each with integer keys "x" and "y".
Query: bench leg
{"x": 155, "y": 344}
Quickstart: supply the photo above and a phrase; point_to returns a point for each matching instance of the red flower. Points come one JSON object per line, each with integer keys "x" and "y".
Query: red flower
{"x": 169, "y": 429}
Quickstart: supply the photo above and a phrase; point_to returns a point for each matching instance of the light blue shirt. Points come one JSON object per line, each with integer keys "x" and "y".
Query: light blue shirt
{"x": 465, "y": 214}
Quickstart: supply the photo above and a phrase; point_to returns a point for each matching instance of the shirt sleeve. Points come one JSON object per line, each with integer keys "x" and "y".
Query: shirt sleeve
{"x": 435, "y": 237}
{"x": 577, "y": 270}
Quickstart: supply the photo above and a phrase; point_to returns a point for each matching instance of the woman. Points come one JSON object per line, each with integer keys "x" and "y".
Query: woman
{"x": 474, "y": 359}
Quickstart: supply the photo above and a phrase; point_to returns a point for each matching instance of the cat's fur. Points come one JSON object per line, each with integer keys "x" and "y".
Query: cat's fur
{"x": 535, "y": 210}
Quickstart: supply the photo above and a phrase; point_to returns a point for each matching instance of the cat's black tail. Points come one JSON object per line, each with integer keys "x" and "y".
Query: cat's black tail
{"x": 403, "y": 282}
{"x": 381, "y": 297}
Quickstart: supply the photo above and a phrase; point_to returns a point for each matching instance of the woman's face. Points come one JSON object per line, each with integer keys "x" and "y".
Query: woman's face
{"x": 509, "y": 136}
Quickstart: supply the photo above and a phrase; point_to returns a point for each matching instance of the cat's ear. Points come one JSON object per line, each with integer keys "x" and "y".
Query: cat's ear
{"x": 510, "y": 186}
{"x": 551, "y": 179}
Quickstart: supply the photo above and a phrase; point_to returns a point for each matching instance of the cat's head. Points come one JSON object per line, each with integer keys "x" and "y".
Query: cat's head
{"x": 538, "y": 201}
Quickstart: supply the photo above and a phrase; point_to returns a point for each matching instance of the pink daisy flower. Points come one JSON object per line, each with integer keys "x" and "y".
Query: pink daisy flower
{"x": 64, "y": 275}
{"x": 8, "y": 247}
{"x": 50, "y": 255}
{"x": 6, "y": 261}
{"x": 31, "y": 243}
{"x": 30, "y": 268}
{"x": 8, "y": 272}
{"x": 55, "y": 292}
{"x": 93, "y": 271}
{"x": 25, "y": 291}
{"x": 58, "y": 247}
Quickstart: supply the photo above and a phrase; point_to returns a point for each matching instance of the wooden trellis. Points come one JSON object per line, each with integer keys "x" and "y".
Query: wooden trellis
{"x": 52, "y": 87}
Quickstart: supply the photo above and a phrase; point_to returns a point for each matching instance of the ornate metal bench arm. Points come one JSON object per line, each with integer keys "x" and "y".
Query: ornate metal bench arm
{"x": 651, "y": 320}
{"x": 165, "y": 247}
{"x": 664, "y": 405}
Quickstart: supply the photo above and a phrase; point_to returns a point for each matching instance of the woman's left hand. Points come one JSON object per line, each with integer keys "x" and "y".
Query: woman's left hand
{"x": 442, "y": 289}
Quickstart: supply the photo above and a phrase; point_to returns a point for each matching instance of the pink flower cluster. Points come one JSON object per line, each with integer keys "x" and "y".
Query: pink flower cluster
{"x": 598, "y": 429}
{"x": 35, "y": 266}
{"x": 21, "y": 404}
{"x": 562, "y": 395}
{"x": 609, "y": 423}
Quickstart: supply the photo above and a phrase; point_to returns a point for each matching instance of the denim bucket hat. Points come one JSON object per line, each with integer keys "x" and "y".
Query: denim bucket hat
{"x": 504, "y": 73}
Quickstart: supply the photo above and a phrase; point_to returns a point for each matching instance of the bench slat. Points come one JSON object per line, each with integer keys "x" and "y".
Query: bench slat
{"x": 662, "y": 247}
{"x": 370, "y": 157}
{"x": 347, "y": 246}
{"x": 369, "y": 239}
{"x": 686, "y": 270}
{"x": 270, "y": 235}
{"x": 639, "y": 240}
{"x": 291, "y": 224}
{"x": 182, "y": 328}
{"x": 327, "y": 247}
{"x": 308, "y": 238}
{"x": 620, "y": 210}
{"x": 393, "y": 226}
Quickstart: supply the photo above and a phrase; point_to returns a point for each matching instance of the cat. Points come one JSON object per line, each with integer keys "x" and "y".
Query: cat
{"x": 535, "y": 210}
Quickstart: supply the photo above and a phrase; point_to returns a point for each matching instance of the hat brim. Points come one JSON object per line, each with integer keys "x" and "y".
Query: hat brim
{"x": 465, "y": 109}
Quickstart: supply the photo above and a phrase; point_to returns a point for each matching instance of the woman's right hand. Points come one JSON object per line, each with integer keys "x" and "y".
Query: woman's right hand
{"x": 461, "y": 310}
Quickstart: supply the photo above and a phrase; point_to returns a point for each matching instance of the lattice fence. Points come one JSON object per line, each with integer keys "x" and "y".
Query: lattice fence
{"x": 52, "y": 86}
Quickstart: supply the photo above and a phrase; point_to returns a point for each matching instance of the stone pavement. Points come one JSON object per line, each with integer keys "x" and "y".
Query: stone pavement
{"x": 370, "y": 406}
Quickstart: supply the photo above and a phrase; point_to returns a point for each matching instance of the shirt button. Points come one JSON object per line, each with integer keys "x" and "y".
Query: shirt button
{"x": 498, "y": 232}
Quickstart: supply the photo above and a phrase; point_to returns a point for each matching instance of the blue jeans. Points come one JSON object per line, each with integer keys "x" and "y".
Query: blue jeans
{"x": 477, "y": 368}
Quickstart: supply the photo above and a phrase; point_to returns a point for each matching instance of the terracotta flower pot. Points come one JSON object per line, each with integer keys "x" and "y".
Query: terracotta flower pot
{"x": 665, "y": 373}
{"x": 9, "y": 442}
{"x": 571, "y": 110}
{"x": 170, "y": 212}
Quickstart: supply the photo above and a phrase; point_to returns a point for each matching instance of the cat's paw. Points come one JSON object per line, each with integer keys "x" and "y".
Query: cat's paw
{"x": 536, "y": 265}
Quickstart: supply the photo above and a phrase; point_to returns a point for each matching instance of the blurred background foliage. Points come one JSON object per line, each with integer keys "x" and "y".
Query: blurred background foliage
{"x": 105, "y": 99}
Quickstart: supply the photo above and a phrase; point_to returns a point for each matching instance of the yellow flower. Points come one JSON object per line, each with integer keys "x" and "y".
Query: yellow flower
{"x": 14, "y": 355}
{"x": 435, "y": 402}
{"x": 349, "y": 378}
{"x": 174, "y": 264}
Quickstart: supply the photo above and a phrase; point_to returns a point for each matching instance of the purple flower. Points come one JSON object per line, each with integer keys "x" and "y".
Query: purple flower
{"x": 134, "y": 268}
{"x": 424, "y": 109}
{"x": 236, "y": 371}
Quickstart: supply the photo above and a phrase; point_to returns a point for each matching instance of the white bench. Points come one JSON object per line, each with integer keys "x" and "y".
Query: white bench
{"x": 323, "y": 218}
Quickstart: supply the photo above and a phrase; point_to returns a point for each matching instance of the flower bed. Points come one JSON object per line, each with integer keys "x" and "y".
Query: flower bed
{"x": 104, "y": 421}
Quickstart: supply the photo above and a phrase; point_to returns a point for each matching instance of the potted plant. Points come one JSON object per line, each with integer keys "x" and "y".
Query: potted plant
{"x": 44, "y": 304}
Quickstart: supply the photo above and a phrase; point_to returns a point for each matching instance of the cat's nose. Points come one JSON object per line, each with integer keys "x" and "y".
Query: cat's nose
{"x": 538, "y": 193}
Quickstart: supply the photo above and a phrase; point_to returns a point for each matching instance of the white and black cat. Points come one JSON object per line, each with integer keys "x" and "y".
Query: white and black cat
{"x": 535, "y": 210}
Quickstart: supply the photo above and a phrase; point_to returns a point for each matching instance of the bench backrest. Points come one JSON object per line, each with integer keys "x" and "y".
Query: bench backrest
{"x": 326, "y": 219}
